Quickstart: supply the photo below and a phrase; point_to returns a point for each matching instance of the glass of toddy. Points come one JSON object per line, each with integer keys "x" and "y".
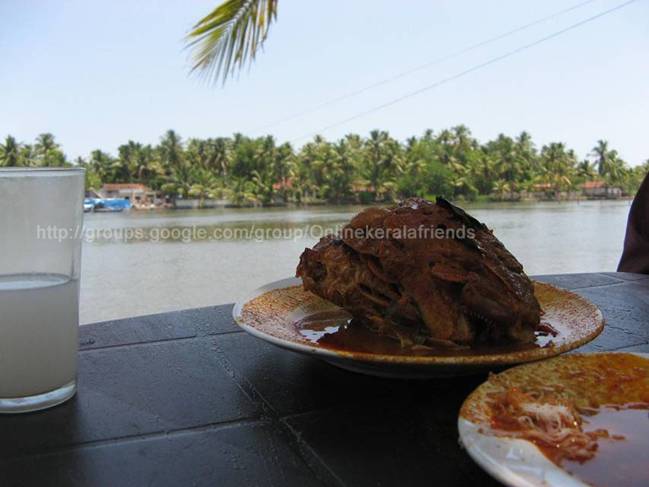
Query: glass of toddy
{"x": 41, "y": 217}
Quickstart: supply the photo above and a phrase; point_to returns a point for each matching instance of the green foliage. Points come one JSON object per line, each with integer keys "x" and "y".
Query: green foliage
{"x": 379, "y": 168}
{"x": 93, "y": 181}
{"x": 44, "y": 153}
{"x": 423, "y": 174}
{"x": 230, "y": 35}
{"x": 10, "y": 153}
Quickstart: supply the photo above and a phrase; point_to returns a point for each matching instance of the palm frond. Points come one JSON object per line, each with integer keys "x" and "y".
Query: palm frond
{"x": 230, "y": 36}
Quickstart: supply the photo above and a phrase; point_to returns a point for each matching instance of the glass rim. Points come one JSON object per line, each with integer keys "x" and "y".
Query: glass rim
{"x": 40, "y": 171}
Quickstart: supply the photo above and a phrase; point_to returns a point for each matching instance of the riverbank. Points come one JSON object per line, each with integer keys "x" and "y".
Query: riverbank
{"x": 198, "y": 204}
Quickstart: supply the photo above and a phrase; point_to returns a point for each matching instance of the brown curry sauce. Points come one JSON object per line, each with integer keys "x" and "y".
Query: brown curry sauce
{"x": 337, "y": 331}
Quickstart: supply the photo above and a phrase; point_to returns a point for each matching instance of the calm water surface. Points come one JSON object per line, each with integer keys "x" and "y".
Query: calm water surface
{"x": 140, "y": 263}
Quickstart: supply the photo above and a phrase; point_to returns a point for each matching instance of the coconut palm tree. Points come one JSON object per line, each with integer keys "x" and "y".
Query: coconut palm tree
{"x": 526, "y": 155}
{"x": 210, "y": 154}
{"x": 558, "y": 166}
{"x": 382, "y": 156}
{"x": 10, "y": 152}
{"x": 463, "y": 141}
{"x": 502, "y": 188}
{"x": 126, "y": 164}
{"x": 616, "y": 169}
{"x": 171, "y": 151}
{"x": 241, "y": 192}
{"x": 48, "y": 153}
{"x": 485, "y": 172}
{"x": 45, "y": 143}
{"x": 27, "y": 156}
{"x": 339, "y": 172}
{"x": 271, "y": 169}
{"x": 103, "y": 164}
{"x": 602, "y": 155}
{"x": 585, "y": 170}
{"x": 421, "y": 172}
{"x": 463, "y": 185}
{"x": 410, "y": 181}
{"x": 93, "y": 181}
{"x": 608, "y": 162}
{"x": 508, "y": 165}
{"x": 204, "y": 185}
{"x": 230, "y": 36}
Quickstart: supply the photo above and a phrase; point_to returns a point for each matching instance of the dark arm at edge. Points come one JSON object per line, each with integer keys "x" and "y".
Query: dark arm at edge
{"x": 635, "y": 256}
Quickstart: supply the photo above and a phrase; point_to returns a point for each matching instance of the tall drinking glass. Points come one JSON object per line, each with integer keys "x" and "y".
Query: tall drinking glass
{"x": 41, "y": 217}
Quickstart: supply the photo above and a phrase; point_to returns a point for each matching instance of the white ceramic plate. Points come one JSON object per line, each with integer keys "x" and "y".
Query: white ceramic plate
{"x": 514, "y": 462}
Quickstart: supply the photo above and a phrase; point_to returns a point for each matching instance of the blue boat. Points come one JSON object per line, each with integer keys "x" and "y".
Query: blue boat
{"x": 106, "y": 205}
{"x": 88, "y": 205}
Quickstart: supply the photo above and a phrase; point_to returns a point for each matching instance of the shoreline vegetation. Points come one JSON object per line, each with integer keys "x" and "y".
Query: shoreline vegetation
{"x": 242, "y": 171}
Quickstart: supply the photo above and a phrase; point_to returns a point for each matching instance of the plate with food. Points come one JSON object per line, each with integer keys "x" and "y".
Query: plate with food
{"x": 575, "y": 420}
{"x": 421, "y": 289}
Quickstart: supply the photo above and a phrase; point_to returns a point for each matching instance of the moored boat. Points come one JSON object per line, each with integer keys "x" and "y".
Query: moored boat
{"x": 107, "y": 205}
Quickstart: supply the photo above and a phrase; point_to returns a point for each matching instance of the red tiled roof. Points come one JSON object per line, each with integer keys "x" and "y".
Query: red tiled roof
{"x": 286, "y": 184}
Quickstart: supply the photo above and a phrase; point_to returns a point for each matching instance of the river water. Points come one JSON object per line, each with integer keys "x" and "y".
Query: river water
{"x": 139, "y": 263}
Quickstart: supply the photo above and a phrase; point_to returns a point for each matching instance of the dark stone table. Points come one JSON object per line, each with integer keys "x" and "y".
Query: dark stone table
{"x": 185, "y": 398}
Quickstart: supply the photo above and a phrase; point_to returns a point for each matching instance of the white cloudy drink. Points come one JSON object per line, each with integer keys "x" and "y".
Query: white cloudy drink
{"x": 39, "y": 324}
{"x": 41, "y": 218}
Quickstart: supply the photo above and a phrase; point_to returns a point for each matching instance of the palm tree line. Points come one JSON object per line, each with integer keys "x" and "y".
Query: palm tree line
{"x": 378, "y": 168}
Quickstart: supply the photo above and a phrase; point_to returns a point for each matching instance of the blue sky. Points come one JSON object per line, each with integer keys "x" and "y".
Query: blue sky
{"x": 97, "y": 74}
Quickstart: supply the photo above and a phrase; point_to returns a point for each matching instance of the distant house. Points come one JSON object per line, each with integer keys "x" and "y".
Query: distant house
{"x": 285, "y": 184}
{"x": 361, "y": 186}
{"x": 600, "y": 190}
{"x": 134, "y": 192}
{"x": 542, "y": 187}
{"x": 542, "y": 191}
